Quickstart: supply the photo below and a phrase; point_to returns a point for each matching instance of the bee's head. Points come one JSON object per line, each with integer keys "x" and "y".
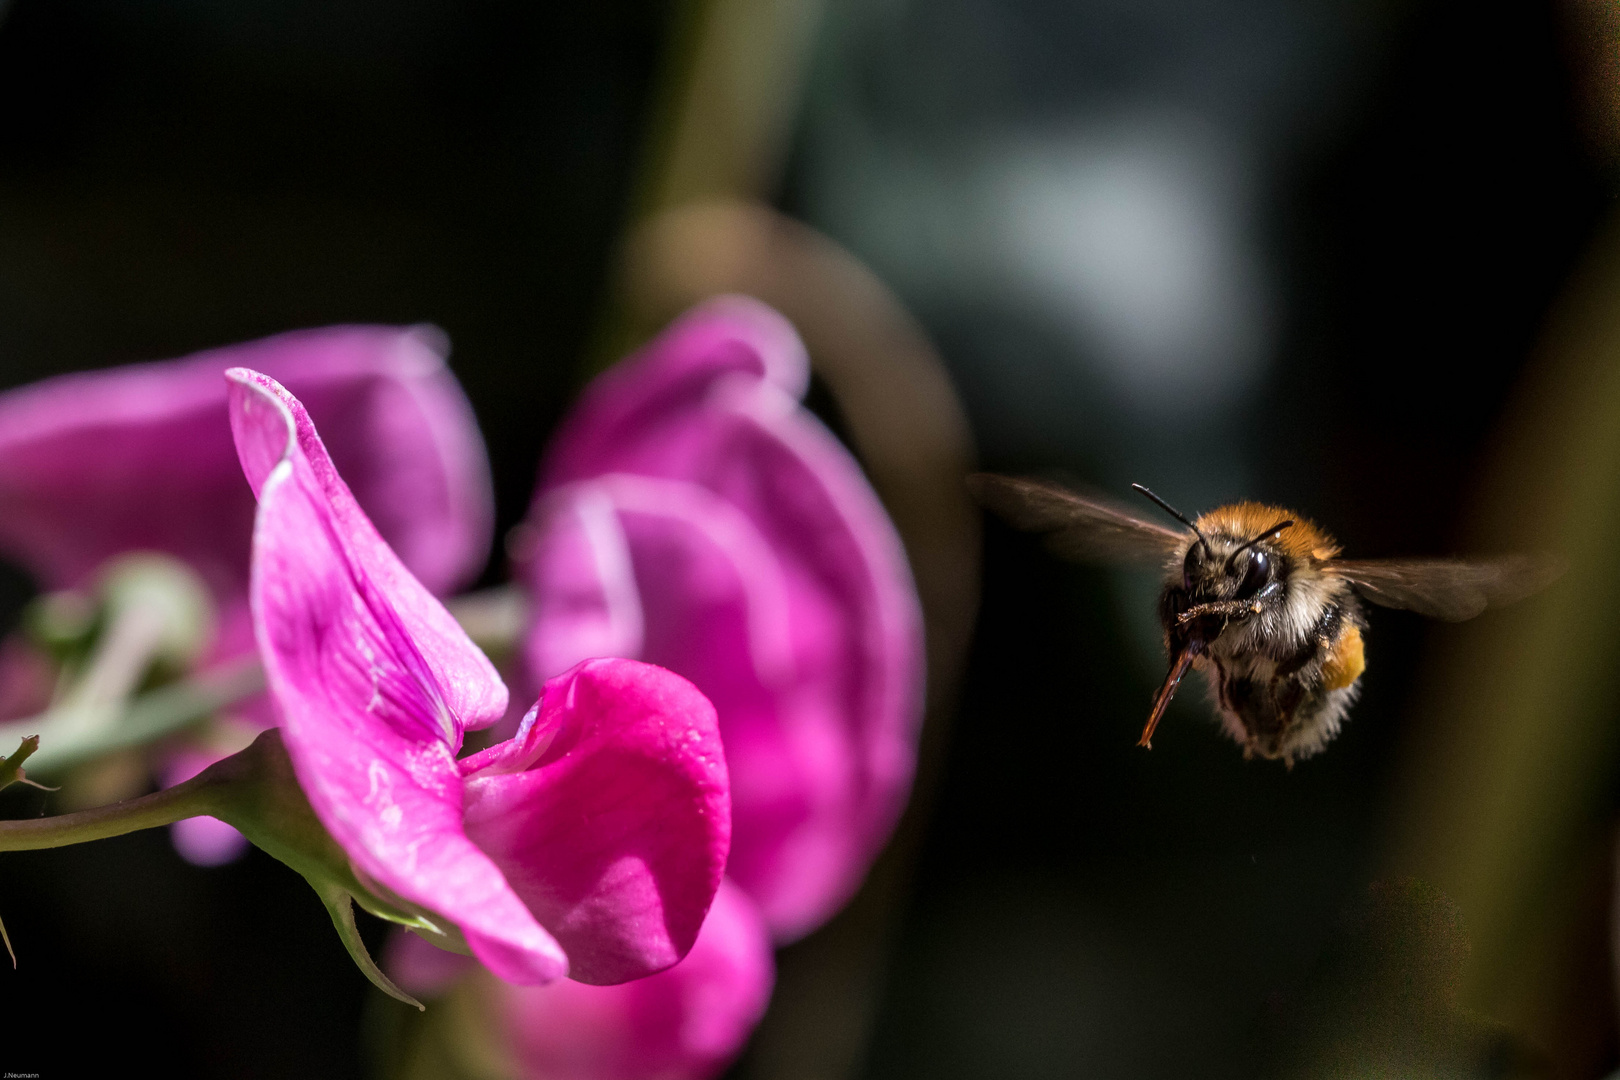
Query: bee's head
{"x": 1237, "y": 559}
{"x": 1221, "y": 567}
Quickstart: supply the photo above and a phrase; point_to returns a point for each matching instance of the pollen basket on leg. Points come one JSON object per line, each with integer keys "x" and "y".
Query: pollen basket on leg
{"x": 1347, "y": 663}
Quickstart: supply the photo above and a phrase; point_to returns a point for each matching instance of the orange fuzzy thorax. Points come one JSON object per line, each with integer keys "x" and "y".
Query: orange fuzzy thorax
{"x": 1244, "y": 520}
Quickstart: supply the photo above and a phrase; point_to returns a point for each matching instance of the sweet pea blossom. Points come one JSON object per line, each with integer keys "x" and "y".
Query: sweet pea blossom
{"x": 686, "y": 1021}
{"x": 692, "y": 514}
{"x": 98, "y": 463}
{"x": 591, "y": 843}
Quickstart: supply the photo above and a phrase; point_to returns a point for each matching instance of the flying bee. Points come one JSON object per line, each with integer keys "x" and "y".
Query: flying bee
{"x": 1257, "y": 599}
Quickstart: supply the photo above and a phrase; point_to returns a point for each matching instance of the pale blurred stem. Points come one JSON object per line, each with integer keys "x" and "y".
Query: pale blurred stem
{"x": 93, "y": 703}
{"x": 95, "y": 716}
{"x": 121, "y": 658}
{"x": 493, "y": 618}
{"x": 78, "y": 724}
{"x": 84, "y": 727}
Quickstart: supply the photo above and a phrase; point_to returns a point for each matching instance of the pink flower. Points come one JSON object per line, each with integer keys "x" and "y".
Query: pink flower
{"x": 99, "y": 463}
{"x": 590, "y": 844}
{"x": 693, "y": 515}
{"x": 684, "y": 1022}
{"x": 687, "y": 1021}
{"x": 96, "y": 464}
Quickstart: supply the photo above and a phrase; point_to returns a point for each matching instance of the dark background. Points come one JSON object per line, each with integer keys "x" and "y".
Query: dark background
{"x": 178, "y": 175}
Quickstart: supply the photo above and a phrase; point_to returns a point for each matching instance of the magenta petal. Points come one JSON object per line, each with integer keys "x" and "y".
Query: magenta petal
{"x": 632, "y": 405}
{"x": 420, "y": 968}
{"x": 207, "y": 841}
{"x": 585, "y": 575}
{"x": 375, "y": 684}
{"x": 713, "y": 597}
{"x": 140, "y": 457}
{"x": 686, "y": 1023}
{"x": 811, "y": 647}
{"x": 609, "y": 814}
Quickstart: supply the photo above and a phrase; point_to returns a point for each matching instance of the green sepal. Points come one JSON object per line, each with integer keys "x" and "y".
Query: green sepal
{"x": 340, "y": 906}
{"x": 257, "y": 792}
{"x": 11, "y": 769}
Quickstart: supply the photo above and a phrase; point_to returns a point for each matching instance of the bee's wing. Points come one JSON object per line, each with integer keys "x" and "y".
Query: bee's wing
{"x": 1077, "y": 526}
{"x": 1450, "y": 589}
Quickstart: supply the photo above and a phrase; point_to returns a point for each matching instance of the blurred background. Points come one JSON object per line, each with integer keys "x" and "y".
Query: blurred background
{"x": 1347, "y": 256}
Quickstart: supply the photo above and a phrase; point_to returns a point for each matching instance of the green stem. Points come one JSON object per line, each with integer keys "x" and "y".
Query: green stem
{"x": 197, "y": 796}
{"x": 256, "y": 791}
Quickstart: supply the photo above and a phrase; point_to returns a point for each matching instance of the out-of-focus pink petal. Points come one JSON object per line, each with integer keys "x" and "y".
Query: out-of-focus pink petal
{"x": 140, "y": 457}
{"x": 586, "y": 576}
{"x": 713, "y": 598}
{"x": 686, "y": 1023}
{"x": 201, "y": 841}
{"x": 207, "y": 841}
{"x": 822, "y": 740}
{"x": 27, "y": 678}
{"x": 420, "y": 968}
{"x": 375, "y": 685}
{"x": 652, "y": 395}
{"x": 609, "y": 814}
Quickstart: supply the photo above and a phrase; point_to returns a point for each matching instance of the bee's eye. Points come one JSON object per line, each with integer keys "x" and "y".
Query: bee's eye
{"x": 1190, "y": 565}
{"x": 1256, "y": 576}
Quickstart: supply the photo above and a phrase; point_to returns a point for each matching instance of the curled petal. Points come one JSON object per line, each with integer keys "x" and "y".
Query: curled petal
{"x": 609, "y": 814}
{"x": 375, "y": 685}
{"x": 641, "y": 405}
{"x": 697, "y": 441}
{"x": 713, "y": 598}
{"x": 686, "y": 1023}
{"x": 140, "y": 457}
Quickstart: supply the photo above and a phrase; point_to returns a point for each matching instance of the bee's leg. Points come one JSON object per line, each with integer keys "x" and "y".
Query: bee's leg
{"x": 1227, "y": 609}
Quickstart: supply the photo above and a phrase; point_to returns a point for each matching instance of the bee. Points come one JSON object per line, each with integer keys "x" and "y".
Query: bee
{"x": 1257, "y": 600}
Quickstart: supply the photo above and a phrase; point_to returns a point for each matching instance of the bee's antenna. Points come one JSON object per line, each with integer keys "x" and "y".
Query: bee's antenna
{"x": 1179, "y": 516}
